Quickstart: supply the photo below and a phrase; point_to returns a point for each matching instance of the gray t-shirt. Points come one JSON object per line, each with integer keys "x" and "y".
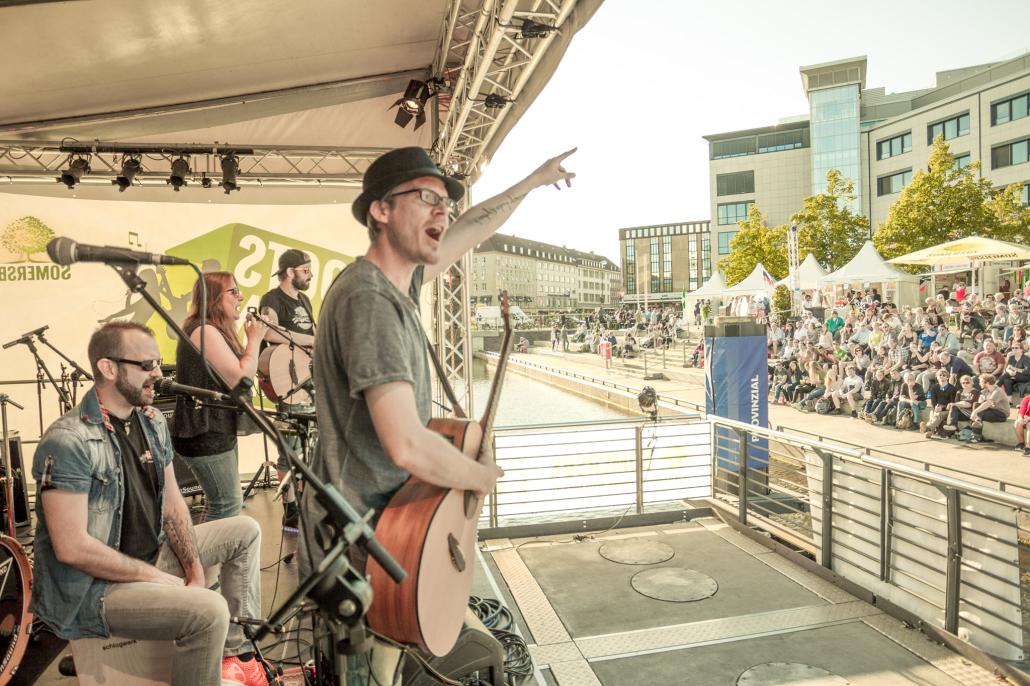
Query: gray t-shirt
{"x": 369, "y": 333}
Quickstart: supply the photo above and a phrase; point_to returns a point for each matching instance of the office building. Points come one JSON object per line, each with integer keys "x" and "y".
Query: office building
{"x": 876, "y": 139}
{"x": 661, "y": 261}
{"x": 542, "y": 277}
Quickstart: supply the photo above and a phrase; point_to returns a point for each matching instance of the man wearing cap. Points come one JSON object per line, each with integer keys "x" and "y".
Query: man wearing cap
{"x": 371, "y": 368}
{"x": 289, "y": 309}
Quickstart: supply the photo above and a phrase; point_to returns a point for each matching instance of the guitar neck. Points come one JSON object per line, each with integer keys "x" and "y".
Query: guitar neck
{"x": 487, "y": 422}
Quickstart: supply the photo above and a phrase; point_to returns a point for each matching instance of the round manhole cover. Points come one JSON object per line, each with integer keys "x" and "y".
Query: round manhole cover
{"x": 789, "y": 674}
{"x": 636, "y": 552}
{"x": 675, "y": 584}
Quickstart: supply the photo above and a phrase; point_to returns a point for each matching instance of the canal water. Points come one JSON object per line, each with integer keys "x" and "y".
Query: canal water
{"x": 528, "y": 401}
{"x": 587, "y": 470}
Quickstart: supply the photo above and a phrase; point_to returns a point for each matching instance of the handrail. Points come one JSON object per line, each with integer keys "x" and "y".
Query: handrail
{"x": 951, "y": 482}
{"x": 784, "y": 437}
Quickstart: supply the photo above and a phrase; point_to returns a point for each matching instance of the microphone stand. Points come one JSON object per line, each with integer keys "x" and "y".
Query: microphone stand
{"x": 5, "y": 454}
{"x": 78, "y": 372}
{"x": 41, "y": 369}
{"x": 340, "y": 593}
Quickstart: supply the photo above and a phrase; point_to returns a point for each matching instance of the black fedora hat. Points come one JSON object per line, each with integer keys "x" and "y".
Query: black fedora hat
{"x": 393, "y": 168}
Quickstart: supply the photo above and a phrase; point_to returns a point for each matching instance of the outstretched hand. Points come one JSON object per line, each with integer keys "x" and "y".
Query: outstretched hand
{"x": 552, "y": 173}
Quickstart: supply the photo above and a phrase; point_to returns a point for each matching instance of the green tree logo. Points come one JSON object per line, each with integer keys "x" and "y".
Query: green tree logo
{"x": 26, "y": 236}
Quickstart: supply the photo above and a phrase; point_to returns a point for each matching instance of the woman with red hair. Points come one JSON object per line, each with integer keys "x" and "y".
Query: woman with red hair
{"x": 206, "y": 435}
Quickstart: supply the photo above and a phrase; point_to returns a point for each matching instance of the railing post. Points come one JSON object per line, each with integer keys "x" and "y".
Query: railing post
{"x": 642, "y": 349}
{"x": 663, "y": 357}
{"x": 493, "y": 495}
{"x": 638, "y": 453}
{"x": 742, "y": 481}
{"x": 953, "y": 581}
{"x": 886, "y": 522}
{"x": 826, "y": 530}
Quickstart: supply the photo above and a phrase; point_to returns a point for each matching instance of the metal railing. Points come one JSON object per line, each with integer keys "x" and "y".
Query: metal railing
{"x": 561, "y": 471}
{"x": 945, "y": 549}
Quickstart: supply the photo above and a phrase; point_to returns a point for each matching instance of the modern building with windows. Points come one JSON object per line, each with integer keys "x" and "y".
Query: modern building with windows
{"x": 661, "y": 261}
{"x": 876, "y": 139}
{"x": 542, "y": 277}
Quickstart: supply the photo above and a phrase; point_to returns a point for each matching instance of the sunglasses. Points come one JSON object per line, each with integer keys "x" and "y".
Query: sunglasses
{"x": 145, "y": 365}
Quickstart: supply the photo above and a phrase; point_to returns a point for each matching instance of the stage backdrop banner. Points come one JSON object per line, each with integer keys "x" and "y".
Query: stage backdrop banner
{"x": 74, "y": 300}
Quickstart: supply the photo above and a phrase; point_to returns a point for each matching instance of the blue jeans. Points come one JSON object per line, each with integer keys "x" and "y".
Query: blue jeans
{"x": 814, "y": 395}
{"x": 219, "y": 476}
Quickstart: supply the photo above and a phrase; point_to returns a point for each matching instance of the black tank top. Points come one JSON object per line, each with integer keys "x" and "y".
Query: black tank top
{"x": 209, "y": 429}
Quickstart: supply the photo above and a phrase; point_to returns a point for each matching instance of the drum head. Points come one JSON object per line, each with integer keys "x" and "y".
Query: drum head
{"x": 15, "y": 618}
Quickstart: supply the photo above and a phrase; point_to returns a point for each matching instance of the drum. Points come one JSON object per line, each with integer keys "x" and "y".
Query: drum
{"x": 15, "y": 618}
{"x": 283, "y": 372}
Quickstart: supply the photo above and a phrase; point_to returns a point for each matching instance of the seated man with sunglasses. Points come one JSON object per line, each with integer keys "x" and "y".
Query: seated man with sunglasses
{"x": 115, "y": 552}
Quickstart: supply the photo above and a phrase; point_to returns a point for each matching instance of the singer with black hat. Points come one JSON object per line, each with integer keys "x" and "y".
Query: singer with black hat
{"x": 371, "y": 369}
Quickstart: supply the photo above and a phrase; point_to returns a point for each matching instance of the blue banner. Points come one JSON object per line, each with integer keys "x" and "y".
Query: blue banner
{"x": 737, "y": 387}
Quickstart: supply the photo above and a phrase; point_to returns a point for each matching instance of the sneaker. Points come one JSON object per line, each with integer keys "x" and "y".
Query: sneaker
{"x": 1020, "y": 446}
{"x": 1026, "y": 452}
{"x": 854, "y": 414}
{"x": 251, "y": 670}
{"x": 232, "y": 673}
{"x": 922, "y": 426}
{"x": 291, "y": 516}
{"x": 929, "y": 434}
{"x": 950, "y": 427}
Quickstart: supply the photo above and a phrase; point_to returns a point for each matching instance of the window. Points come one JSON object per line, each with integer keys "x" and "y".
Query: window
{"x": 733, "y": 212}
{"x": 724, "y": 241}
{"x": 1026, "y": 194}
{"x": 735, "y": 147}
{"x": 1010, "y": 110}
{"x": 734, "y": 184}
{"x": 962, "y": 161}
{"x": 631, "y": 268}
{"x": 667, "y": 264}
{"x": 949, "y": 128}
{"x": 706, "y": 254}
{"x": 654, "y": 265}
{"x": 775, "y": 142}
{"x": 893, "y": 183}
{"x": 1009, "y": 154}
{"x": 893, "y": 147}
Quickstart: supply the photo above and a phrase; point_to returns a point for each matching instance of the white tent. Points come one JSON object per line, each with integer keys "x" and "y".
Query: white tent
{"x": 757, "y": 281}
{"x": 810, "y": 273}
{"x": 867, "y": 267}
{"x": 714, "y": 287}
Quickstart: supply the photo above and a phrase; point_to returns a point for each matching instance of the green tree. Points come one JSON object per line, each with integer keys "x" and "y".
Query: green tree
{"x": 944, "y": 203}
{"x": 756, "y": 243}
{"x": 26, "y": 236}
{"x": 828, "y": 227}
{"x": 781, "y": 301}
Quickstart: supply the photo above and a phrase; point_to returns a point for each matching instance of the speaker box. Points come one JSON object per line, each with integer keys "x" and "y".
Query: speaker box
{"x": 22, "y": 518}
{"x": 475, "y": 652}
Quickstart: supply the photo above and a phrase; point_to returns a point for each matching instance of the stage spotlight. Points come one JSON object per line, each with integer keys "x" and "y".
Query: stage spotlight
{"x": 534, "y": 29}
{"x": 130, "y": 167}
{"x": 413, "y": 104}
{"x": 496, "y": 102}
{"x": 230, "y": 168}
{"x": 73, "y": 174}
{"x": 180, "y": 170}
{"x": 648, "y": 401}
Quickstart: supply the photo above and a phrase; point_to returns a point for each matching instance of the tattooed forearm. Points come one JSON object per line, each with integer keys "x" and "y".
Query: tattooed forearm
{"x": 504, "y": 207}
{"x": 182, "y": 539}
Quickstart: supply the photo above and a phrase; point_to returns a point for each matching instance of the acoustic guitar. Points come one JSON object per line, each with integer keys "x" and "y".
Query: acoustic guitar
{"x": 431, "y": 531}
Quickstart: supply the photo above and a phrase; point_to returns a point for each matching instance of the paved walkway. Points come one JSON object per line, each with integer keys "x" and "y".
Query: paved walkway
{"x": 989, "y": 461}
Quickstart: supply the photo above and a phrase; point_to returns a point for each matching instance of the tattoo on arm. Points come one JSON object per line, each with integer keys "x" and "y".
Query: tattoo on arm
{"x": 503, "y": 208}
{"x": 182, "y": 539}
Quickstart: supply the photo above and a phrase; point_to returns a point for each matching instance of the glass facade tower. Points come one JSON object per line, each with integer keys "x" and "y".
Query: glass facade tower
{"x": 835, "y": 137}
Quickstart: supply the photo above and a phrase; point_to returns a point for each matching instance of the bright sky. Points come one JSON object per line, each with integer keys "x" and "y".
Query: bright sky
{"x": 645, "y": 79}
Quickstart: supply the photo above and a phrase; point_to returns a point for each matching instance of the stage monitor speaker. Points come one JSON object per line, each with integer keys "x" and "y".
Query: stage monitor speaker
{"x": 22, "y": 518}
{"x": 475, "y": 652}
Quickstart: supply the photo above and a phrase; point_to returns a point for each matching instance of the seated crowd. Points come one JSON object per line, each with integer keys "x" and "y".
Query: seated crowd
{"x": 962, "y": 357}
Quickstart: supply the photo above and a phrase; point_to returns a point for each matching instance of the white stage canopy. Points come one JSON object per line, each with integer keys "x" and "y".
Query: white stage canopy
{"x": 867, "y": 267}
{"x": 757, "y": 281}
{"x": 714, "y": 287}
{"x": 810, "y": 273}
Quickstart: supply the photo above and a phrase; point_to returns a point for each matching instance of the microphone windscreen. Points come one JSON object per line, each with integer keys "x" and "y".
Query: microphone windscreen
{"x": 61, "y": 250}
{"x": 163, "y": 386}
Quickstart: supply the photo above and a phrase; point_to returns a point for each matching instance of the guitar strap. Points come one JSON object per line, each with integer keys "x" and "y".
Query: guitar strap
{"x": 442, "y": 376}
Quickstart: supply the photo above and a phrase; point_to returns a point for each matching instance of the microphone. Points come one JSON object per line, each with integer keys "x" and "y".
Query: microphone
{"x": 65, "y": 251}
{"x": 169, "y": 387}
{"x": 26, "y": 337}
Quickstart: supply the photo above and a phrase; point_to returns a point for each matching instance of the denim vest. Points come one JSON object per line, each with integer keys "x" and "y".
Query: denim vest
{"x": 78, "y": 454}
